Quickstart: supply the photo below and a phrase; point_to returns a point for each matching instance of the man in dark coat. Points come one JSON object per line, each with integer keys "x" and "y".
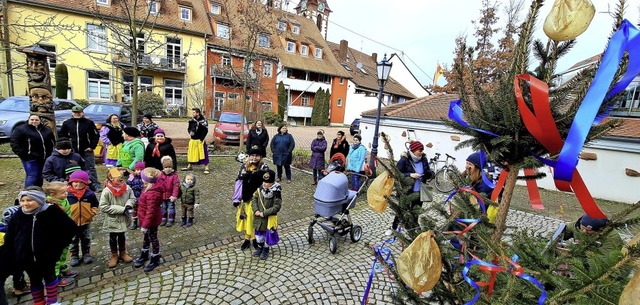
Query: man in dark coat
{"x": 84, "y": 139}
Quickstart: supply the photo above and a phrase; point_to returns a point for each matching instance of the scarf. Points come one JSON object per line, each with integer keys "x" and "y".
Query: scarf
{"x": 117, "y": 190}
{"x": 336, "y": 143}
{"x": 156, "y": 149}
{"x": 355, "y": 146}
{"x": 77, "y": 193}
{"x": 269, "y": 192}
{"x": 258, "y": 131}
{"x": 414, "y": 157}
{"x": 187, "y": 185}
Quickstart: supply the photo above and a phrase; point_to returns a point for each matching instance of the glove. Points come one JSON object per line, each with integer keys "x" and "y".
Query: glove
{"x": 128, "y": 211}
{"x": 197, "y": 205}
{"x": 144, "y": 230}
{"x": 236, "y": 204}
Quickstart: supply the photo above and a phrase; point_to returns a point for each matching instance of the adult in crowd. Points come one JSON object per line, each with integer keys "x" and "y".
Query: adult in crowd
{"x": 339, "y": 145}
{"x": 84, "y": 139}
{"x": 473, "y": 170}
{"x": 198, "y": 153}
{"x": 355, "y": 161}
{"x": 159, "y": 146}
{"x": 259, "y": 136}
{"x": 147, "y": 127}
{"x": 318, "y": 148}
{"x": 111, "y": 136}
{"x": 282, "y": 146}
{"x": 33, "y": 142}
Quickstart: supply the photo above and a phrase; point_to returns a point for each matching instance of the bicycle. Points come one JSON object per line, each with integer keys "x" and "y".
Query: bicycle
{"x": 443, "y": 179}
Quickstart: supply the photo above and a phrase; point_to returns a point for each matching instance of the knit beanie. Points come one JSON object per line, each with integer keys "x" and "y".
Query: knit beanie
{"x": 79, "y": 176}
{"x": 594, "y": 224}
{"x": 63, "y": 143}
{"x": 166, "y": 161}
{"x": 157, "y": 131}
{"x": 139, "y": 165}
{"x": 416, "y": 145}
{"x": 269, "y": 176}
{"x": 71, "y": 167}
{"x": 148, "y": 116}
{"x": 254, "y": 150}
{"x": 37, "y": 196}
{"x": 132, "y": 131}
{"x": 474, "y": 158}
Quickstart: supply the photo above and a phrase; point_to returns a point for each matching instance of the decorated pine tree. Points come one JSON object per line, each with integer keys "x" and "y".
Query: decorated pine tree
{"x": 477, "y": 264}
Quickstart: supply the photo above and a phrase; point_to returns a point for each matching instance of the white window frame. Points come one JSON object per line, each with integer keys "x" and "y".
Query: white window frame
{"x": 318, "y": 54}
{"x": 304, "y": 100}
{"x": 153, "y": 7}
{"x": 226, "y": 61}
{"x": 282, "y": 26}
{"x": 101, "y": 84}
{"x": 267, "y": 69}
{"x": 175, "y": 48}
{"x": 183, "y": 10}
{"x": 171, "y": 101}
{"x": 223, "y": 31}
{"x": 339, "y": 102}
{"x": 304, "y": 50}
{"x": 291, "y": 47}
{"x": 143, "y": 85}
{"x": 218, "y": 100}
{"x": 96, "y": 38}
{"x": 102, "y": 2}
{"x": 216, "y": 8}
{"x": 263, "y": 40}
{"x": 296, "y": 29}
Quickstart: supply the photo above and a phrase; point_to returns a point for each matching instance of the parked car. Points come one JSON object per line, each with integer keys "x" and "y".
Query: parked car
{"x": 355, "y": 127}
{"x": 227, "y": 128}
{"x": 98, "y": 112}
{"x": 14, "y": 111}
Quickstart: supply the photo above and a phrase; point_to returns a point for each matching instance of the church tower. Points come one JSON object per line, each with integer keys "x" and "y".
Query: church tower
{"x": 318, "y": 11}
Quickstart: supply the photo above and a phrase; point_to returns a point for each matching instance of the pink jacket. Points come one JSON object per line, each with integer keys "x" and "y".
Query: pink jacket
{"x": 149, "y": 210}
{"x": 170, "y": 184}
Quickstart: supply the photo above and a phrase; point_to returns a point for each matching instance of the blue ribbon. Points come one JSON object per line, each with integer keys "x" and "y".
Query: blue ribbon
{"x": 480, "y": 200}
{"x": 473, "y": 284}
{"x": 486, "y": 179}
{"x": 455, "y": 114}
{"x": 626, "y": 38}
{"x": 543, "y": 295}
{"x": 384, "y": 253}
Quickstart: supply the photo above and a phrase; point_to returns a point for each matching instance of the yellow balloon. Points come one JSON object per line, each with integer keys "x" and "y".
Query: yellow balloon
{"x": 568, "y": 19}
{"x": 420, "y": 264}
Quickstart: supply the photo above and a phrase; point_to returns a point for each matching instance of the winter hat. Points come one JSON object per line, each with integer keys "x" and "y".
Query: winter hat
{"x": 37, "y": 196}
{"x": 63, "y": 143}
{"x": 71, "y": 167}
{"x": 254, "y": 150}
{"x": 269, "y": 176}
{"x": 415, "y": 145}
{"x": 139, "y": 165}
{"x": 150, "y": 175}
{"x": 148, "y": 116}
{"x": 166, "y": 161}
{"x": 594, "y": 224}
{"x": 132, "y": 131}
{"x": 79, "y": 176}
{"x": 474, "y": 158}
{"x": 77, "y": 109}
{"x": 157, "y": 131}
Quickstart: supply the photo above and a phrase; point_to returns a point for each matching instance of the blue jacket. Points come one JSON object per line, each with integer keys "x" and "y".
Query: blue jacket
{"x": 136, "y": 184}
{"x": 55, "y": 165}
{"x": 282, "y": 146}
{"x": 355, "y": 158}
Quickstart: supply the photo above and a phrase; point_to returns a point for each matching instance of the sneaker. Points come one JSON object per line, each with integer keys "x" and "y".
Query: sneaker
{"x": 87, "y": 259}
{"x": 388, "y": 232}
{"x": 65, "y": 281}
{"x": 74, "y": 261}
{"x": 188, "y": 168}
{"x": 288, "y": 180}
{"x": 69, "y": 273}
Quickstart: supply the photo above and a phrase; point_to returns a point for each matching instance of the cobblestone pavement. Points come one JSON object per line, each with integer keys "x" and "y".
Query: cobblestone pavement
{"x": 295, "y": 273}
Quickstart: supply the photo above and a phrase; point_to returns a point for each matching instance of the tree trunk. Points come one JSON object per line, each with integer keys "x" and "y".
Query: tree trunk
{"x": 503, "y": 211}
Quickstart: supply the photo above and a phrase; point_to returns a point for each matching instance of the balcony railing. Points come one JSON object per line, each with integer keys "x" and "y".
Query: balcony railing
{"x": 151, "y": 62}
{"x": 228, "y": 73}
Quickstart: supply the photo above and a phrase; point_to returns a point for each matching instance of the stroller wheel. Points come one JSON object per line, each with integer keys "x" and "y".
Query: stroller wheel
{"x": 356, "y": 233}
{"x": 333, "y": 244}
{"x": 310, "y": 235}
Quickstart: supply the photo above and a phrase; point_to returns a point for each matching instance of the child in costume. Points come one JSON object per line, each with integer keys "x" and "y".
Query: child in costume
{"x": 266, "y": 203}
{"x": 150, "y": 215}
{"x": 189, "y": 198}
{"x": 84, "y": 207}
{"x": 116, "y": 201}
{"x": 171, "y": 182}
{"x": 57, "y": 195}
{"x": 35, "y": 238}
{"x": 136, "y": 185}
{"x": 132, "y": 150}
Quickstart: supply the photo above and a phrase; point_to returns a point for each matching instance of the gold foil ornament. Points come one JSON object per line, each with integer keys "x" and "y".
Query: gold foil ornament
{"x": 568, "y": 19}
{"x": 420, "y": 264}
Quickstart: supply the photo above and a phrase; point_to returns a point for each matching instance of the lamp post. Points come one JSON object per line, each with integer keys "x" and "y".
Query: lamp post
{"x": 384, "y": 68}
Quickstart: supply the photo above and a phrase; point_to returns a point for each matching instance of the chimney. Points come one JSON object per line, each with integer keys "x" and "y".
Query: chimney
{"x": 342, "y": 53}
{"x": 374, "y": 56}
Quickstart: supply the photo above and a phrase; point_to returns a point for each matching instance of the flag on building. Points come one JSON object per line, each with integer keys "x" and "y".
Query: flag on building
{"x": 439, "y": 72}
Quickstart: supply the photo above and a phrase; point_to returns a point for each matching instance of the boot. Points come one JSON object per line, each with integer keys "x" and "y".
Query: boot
{"x": 75, "y": 259}
{"x": 153, "y": 263}
{"x": 315, "y": 181}
{"x": 188, "y": 168}
{"x": 164, "y": 222}
{"x": 189, "y": 222}
{"x": 184, "y": 222}
{"x": 134, "y": 223}
{"x": 87, "y": 258}
{"x": 258, "y": 252}
{"x": 170, "y": 222}
{"x": 245, "y": 245}
{"x": 124, "y": 256}
{"x": 255, "y": 244}
{"x": 144, "y": 257}
{"x": 265, "y": 253}
{"x": 113, "y": 261}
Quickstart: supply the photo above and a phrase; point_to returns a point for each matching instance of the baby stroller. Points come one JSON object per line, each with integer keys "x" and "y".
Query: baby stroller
{"x": 332, "y": 201}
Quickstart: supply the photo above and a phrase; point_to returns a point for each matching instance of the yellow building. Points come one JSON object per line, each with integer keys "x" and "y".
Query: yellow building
{"x": 93, "y": 39}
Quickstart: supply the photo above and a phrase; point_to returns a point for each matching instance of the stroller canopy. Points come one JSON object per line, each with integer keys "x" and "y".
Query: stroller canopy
{"x": 332, "y": 188}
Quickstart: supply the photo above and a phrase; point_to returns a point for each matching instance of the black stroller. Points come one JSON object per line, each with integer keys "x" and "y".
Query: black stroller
{"x": 332, "y": 201}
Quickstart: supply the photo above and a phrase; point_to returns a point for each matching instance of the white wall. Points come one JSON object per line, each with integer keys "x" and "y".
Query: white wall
{"x": 357, "y": 103}
{"x": 402, "y": 75}
{"x": 605, "y": 177}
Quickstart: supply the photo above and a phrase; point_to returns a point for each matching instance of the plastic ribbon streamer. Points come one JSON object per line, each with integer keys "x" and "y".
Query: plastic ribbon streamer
{"x": 534, "y": 192}
{"x": 486, "y": 179}
{"x": 382, "y": 252}
{"x": 472, "y": 192}
{"x": 455, "y": 113}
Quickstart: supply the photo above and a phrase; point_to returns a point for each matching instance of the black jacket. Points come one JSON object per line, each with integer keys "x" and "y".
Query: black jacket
{"x": 32, "y": 143}
{"x": 262, "y": 140}
{"x": 54, "y": 167}
{"x": 199, "y": 127}
{"x": 343, "y": 148}
{"x": 82, "y": 132}
{"x": 165, "y": 149}
{"x": 406, "y": 167}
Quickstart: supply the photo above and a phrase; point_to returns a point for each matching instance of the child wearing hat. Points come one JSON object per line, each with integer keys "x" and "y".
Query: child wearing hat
{"x": 159, "y": 146}
{"x": 171, "y": 182}
{"x": 57, "y": 195}
{"x": 189, "y": 198}
{"x": 132, "y": 150}
{"x": 55, "y": 166}
{"x": 136, "y": 185}
{"x": 84, "y": 207}
{"x": 266, "y": 204}
{"x": 150, "y": 216}
{"x": 116, "y": 201}
{"x": 35, "y": 238}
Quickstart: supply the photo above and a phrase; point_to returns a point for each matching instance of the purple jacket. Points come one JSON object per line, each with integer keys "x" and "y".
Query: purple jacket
{"x": 318, "y": 147}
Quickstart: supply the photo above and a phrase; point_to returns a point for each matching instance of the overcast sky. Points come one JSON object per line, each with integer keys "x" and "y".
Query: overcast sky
{"x": 425, "y": 30}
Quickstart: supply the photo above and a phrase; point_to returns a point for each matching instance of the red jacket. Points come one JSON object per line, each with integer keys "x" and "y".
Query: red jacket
{"x": 171, "y": 184}
{"x": 149, "y": 210}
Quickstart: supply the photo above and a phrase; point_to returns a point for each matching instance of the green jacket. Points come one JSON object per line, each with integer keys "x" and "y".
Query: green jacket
{"x": 189, "y": 195}
{"x": 269, "y": 205}
{"x": 115, "y": 220}
{"x": 130, "y": 153}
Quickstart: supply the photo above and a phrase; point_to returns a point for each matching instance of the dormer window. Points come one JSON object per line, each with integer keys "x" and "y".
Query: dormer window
{"x": 282, "y": 26}
{"x": 296, "y": 29}
{"x": 153, "y": 7}
{"x": 304, "y": 50}
{"x": 102, "y": 2}
{"x": 185, "y": 13}
{"x": 263, "y": 40}
{"x": 318, "y": 53}
{"x": 215, "y": 8}
{"x": 223, "y": 31}
{"x": 291, "y": 47}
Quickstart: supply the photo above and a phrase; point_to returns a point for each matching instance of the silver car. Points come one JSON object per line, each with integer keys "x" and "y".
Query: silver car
{"x": 14, "y": 111}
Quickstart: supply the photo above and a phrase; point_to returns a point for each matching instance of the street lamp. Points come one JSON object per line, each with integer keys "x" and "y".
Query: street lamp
{"x": 384, "y": 68}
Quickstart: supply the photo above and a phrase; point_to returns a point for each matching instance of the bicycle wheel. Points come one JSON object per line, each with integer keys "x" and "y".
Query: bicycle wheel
{"x": 444, "y": 180}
